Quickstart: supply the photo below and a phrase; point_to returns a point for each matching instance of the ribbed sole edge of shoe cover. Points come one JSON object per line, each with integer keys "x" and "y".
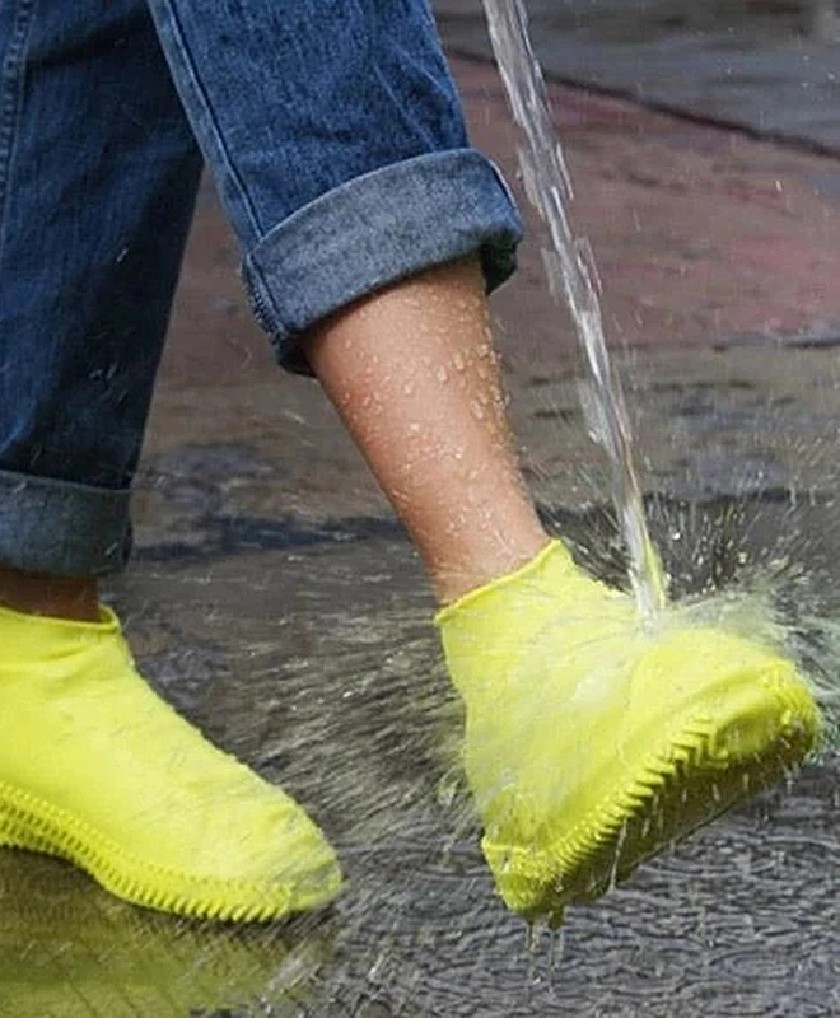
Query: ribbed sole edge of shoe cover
{"x": 679, "y": 788}
{"x": 32, "y": 826}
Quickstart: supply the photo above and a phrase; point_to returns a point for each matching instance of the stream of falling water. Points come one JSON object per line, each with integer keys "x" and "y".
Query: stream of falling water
{"x": 571, "y": 273}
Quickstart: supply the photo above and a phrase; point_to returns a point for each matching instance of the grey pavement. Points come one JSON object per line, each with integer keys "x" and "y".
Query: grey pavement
{"x": 773, "y": 68}
{"x": 308, "y": 652}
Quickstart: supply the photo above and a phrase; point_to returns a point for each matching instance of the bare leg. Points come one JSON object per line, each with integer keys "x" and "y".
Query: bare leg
{"x": 413, "y": 373}
{"x": 56, "y": 596}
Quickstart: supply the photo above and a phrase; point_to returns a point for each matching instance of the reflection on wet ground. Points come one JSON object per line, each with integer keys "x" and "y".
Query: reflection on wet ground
{"x": 304, "y": 646}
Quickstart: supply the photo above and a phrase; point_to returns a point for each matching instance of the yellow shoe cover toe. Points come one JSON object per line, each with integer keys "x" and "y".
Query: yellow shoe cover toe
{"x": 95, "y": 768}
{"x": 591, "y": 745}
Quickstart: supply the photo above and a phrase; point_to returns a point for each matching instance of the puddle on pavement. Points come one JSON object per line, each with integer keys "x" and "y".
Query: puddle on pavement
{"x": 314, "y": 660}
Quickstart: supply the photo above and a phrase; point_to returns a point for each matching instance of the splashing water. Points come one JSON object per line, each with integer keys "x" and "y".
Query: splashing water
{"x": 570, "y": 270}
{"x": 811, "y": 638}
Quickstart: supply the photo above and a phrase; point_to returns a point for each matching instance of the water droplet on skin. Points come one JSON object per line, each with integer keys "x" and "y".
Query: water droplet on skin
{"x": 408, "y": 388}
{"x": 414, "y": 429}
{"x": 459, "y": 362}
{"x": 477, "y": 411}
{"x": 442, "y": 374}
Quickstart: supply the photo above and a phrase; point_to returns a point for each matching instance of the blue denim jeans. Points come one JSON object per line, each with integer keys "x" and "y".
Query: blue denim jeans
{"x": 339, "y": 150}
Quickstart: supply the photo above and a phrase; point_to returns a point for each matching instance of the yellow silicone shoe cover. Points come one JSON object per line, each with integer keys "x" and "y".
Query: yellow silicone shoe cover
{"x": 591, "y": 744}
{"x": 95, "y": 768}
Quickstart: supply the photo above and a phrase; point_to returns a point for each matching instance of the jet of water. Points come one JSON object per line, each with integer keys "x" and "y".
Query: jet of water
{"x": 570, "y": 270}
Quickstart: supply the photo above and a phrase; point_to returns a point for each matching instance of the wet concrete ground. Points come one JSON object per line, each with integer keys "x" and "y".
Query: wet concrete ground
{"x": 772, "y": 66}
{"x": 275, "y": 600}
{"x": 308, "y": 652}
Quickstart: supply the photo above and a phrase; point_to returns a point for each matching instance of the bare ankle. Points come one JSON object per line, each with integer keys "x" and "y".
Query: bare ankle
{"x": 54, "y": 596}
{"x": 456, "y": 576}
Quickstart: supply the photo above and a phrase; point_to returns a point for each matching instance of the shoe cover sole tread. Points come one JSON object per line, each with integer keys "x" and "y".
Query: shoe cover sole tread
{"x": 29, "y": 824}
{"x": 589, "y": 860}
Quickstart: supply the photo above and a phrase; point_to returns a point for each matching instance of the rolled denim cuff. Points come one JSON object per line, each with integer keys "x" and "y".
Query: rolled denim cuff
{"x": 374, "y": 230}
{"x": 61, "y": 527}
